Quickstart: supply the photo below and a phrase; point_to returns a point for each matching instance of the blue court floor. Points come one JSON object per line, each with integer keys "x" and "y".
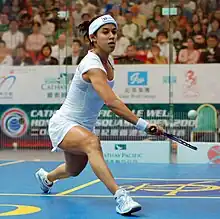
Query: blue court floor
{"x": 166, "y": 191}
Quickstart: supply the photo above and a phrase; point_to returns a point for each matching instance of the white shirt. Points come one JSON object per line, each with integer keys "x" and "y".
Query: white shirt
{"x": 47, "y": 29}
{"x": 13, "y": 40}
{"x": 121, "y": 46}
{"x": 165, "y": 51}
{"x": 7, "y": 61}
{"x": 147, "y": 33}
{"x": 82, "y": 104}
{"x": 60, "y": 54}
{"x": 130, "y": 31}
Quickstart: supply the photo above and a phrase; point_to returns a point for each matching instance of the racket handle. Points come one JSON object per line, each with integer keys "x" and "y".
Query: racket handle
{"x": 153, "y": 129}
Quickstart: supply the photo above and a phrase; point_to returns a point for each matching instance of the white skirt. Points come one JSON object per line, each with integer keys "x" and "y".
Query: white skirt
{"x": 58, "y": 127}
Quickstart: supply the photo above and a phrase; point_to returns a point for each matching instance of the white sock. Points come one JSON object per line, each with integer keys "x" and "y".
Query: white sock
{"x": 48, "y": 181}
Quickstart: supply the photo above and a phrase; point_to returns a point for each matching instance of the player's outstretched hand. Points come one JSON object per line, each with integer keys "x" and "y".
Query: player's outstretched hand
{"x": 155, "y": 129}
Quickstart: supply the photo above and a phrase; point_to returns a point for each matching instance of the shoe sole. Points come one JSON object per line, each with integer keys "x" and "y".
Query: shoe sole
{"x": 133, "y": 210}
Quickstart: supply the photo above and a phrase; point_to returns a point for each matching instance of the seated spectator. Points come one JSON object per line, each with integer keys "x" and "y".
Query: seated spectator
{"x": 130, "y": 29}
{"x": 36, "y": 40}
{"x": 151, "y": 30}
{"x": 13, "y": 37}
{"x": 115, "y": 12}
{"x": 46, "y": 58}
{"x": 154, "y": 57}
{"x": 76, "y": 57}
{"x": 21, "y": 57}
{"x": 189, "y": 55}
{"x": 200, "y": 41}
{"x": 162, "y": 42}
{"x": 61, "y": 50}
{"x": 130, "y": 57}
{"x": 214, "y": 28}
{"x": 212, "y": 53}
{"x": 5, "y": 57}
{"x": 47, "y": 28}
{"x": 121, "y": 44}
{"x": 26, "y": 25}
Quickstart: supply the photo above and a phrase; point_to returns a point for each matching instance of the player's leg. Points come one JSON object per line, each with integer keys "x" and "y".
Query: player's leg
{"x": 78, "y": 139}
{"x": 74, "y": 164}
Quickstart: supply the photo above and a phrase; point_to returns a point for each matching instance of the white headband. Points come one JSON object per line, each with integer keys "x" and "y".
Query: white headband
{"x": 100, "y": 21}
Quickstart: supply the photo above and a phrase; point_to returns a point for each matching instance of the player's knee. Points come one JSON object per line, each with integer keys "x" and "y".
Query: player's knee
{"x": 72, "y": 172}
{"x": 93, "y": 144}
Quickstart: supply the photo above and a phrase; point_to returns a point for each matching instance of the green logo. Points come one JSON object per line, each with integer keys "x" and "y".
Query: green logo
{"x": 120, "y": 147}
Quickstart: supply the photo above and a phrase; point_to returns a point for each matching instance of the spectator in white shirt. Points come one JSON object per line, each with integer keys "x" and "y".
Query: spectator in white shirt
{"x": 77, "y": 13}
{"x": 162, "y": 42}
{"x": 121, "y": 44}
{"x": 151, "y": 30}
{"x": 130, "y": 29}
{"x": 36, "y": 40}
{"x": 47, "y": 28}
{"x": 5, "y": 57}
{"x": 13, "y": 37}
{"x": 61, "y": 50}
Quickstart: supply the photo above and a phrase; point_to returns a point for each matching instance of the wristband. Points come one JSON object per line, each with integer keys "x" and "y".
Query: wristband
{"x": 141, "y": 124}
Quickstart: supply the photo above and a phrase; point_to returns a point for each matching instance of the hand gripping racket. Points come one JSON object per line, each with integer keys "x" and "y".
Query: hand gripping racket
{"x": 153, "y": 130}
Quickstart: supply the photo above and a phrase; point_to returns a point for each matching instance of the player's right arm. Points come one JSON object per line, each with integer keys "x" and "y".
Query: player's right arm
{"x": 98, "y": 78}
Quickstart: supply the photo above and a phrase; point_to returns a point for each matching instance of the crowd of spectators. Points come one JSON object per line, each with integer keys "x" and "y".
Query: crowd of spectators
{"x": 44, "y": 32}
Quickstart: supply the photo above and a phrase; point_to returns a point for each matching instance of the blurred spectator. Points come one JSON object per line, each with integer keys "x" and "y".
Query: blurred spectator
{"x": 47, "y": 28}
{"x": 212, "y": 53}
{"x": 189, "y": 55}
{"x": 151, "y": 30}
{"x": 46, "y": 58}
{"x": 146, "y": 7}
{"x": 214, "y": 28}
{"x": 130, "y": 56}
{"x": 130, "y": 29}
{"x": 138, "y": 18}
{"x": 61, "y": 49}
{"x": 154, "y": 57}
{"x": 121, "y": 44}
{"x": 13, "y": 37}
{"x": 88, "y": 7}
{"x": 76, "y": 57}
{"x": 115, "y": 12}
{"x": 21, "y": 57}
{"x": 77, "y": 13}
{"x": 36, "y": 40}
{"x": 25, "y": 25}
{"x": 162, "y": 42}
{"x": 5, "y": 57}
{"x": 200, "y": 42}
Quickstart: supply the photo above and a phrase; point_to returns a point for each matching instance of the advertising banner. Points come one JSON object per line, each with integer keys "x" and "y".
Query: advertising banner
{"x": 136, "y": 152}
{"x": 134, "y": 84}
{"x": 27, "y": 124}
{"x": 207, "y": 153}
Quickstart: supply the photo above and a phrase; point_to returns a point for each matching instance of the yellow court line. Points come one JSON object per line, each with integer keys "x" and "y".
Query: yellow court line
{"x": 12, "y": 162}
{"x": 78, "y": 187}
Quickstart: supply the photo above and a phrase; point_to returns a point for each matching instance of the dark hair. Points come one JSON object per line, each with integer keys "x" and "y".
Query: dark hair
{"x": 48, "y": 46}
{"x": 77, "y": 41}
{"x": 84, "y": 28}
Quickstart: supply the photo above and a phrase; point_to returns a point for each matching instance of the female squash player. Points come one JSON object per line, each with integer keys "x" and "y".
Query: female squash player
{"x": 72, "y": 127}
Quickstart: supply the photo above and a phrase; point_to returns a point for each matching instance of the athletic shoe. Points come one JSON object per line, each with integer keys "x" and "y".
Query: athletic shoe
{"x": 41, "y": 176}
{"x": 125, "y": 204}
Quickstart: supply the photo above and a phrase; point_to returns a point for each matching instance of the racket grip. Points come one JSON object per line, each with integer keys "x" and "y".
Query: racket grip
{"x": 152, "y": 130}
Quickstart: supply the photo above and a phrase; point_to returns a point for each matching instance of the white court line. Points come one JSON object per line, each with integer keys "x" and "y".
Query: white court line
{"x": 12, "y": 162}
{"x": 110, "y": 196}
{"x": 119, "y": 178}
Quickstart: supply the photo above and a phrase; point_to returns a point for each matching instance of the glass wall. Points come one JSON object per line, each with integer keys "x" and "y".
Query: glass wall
{"x": 163, "y": 51}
